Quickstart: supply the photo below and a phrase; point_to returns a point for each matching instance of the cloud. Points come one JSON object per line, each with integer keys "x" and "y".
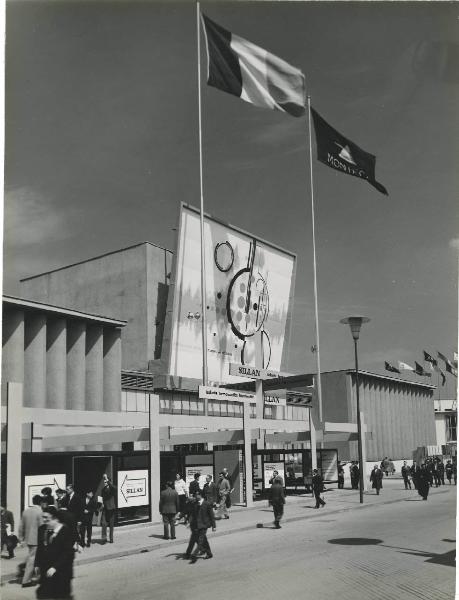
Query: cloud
{"x": 29, "y": 219}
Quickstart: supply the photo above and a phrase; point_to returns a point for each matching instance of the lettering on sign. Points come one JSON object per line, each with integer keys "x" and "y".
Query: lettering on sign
{"x": 215, "y": 393}
{"x": 133, "y": 488}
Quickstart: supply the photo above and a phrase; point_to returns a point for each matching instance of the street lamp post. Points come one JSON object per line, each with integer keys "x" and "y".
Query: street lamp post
{"x": 355, "y": 323}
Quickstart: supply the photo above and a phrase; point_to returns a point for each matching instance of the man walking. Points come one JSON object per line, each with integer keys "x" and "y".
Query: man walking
{"x": 317, "y": 488}
{"x": 210, "y": 491}
{"x": 201, "y": 518}
{"x": 355, "y": 475}
{"x": 55, "y": 556}
{"x": 340, "y": 476}
{"x": 425, "y": 481}
{"x": 223, "y": 487}
{"x": 168, "y": 508}
{"x": 406, "y": 475}
{"x": 449, "y": 470}
{"x": 31, "y": 520}
{"x": 376, "y": 477}
{"x": 74, "y": 506}
{"x": 277, "y": 499}
{"x": 108, "y": 494}
{"x": 194, "y": 485}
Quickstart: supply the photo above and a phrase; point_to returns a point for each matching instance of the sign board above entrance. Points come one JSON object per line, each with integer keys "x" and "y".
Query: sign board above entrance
{"x": 254, "y": 372}
{"x": 220, "y": 393}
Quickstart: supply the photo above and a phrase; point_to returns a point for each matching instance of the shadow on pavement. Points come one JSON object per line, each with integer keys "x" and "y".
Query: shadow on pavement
{"x": 355, "y": 541}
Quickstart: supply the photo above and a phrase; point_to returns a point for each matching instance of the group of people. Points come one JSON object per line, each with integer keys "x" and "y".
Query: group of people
{"x": 196, "y": 506}
{"x": 53, "y": 529}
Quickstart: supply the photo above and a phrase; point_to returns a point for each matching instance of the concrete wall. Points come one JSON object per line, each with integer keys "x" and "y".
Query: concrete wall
{"x": 440, "y": 429}
{"x": 130, "y": 284}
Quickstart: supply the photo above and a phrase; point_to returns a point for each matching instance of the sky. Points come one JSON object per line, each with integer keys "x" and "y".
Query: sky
{"x": 101, "y": 146}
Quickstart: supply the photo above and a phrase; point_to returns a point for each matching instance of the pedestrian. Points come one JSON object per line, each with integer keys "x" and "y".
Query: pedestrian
{"x": 277, "y": 500}
{"x": 201, "y": 518}
{"x": 54, "y": 557}
{"x": 61, "y": 499}
{"x": 168, "y": 508}
{"x": 406, "y": 475}
{"x": 376, "y": 477}
{"x": 223, "y": 488}
{"x": 425, "y": 481}
{"x": 435, "y": 473}
{"x": 449, "y": 470}
{"x": 355, "y": 475}
{"x": 194, "y": 485}
{"x": 414, "y": 474}
{"x": 210, "y": 491}
{"x": 231, "y": 488}
{"x": 47, "y": 498}
{"x": 384, "y": 466}
{"x": 8, "y": 538}
{"x": 31, "y": 521}
{"x": 108, "y": 494}
{"x": 181, "y": 489}
{"x": 317, "y": 488}
{"x": 89, "y": 510}
{"x": 455, "y": 473}
{"x": 276, "y": 477}
{"x": 391, "y": 467}
{"x": 74, "y": 506}
{"x": 340, "y": 476}
{"x": 441, "y": 471}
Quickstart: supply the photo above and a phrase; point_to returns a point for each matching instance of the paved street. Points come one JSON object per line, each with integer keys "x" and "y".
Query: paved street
{"x": 402, "y": 549}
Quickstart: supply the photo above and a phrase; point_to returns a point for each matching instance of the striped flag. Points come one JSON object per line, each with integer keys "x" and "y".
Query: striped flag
{"x": 243, "y": 69}
{"x": 420, "y": 371}
{"x": 404, "y": 367}
{"x": 390, "y": 367}
{"x": 429, "y": 358}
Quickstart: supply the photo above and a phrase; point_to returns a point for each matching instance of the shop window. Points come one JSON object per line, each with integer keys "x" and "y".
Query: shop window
{"x": 451, "y": 428}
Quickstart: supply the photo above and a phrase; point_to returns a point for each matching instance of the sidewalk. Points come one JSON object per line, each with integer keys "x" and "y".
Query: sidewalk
{"x": 146, "y": 537}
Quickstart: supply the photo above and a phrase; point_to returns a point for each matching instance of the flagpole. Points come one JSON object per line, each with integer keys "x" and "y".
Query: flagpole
{"x": 316, "y": 311}
{"x": 203, "y": 260}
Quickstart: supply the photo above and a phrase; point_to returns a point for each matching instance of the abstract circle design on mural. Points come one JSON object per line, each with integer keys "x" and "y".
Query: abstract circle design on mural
{"x": 224, "y": 256}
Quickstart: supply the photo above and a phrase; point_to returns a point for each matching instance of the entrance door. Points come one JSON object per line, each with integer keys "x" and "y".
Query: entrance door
{"x": 88, "y": 472}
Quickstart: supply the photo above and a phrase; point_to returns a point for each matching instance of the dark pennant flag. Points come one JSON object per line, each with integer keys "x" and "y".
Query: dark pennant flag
{"x": 430, "y": 359}
{"x": 337, "y": 152}
{"x": 390, "y": 367}
{"x": 420, "y": 371}
{"x": 450, "y": 369}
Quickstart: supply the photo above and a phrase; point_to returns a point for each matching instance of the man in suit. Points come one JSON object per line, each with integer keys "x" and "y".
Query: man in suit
{"x": 7, "y": 528}
{"x": 108, "y": 494}
{"x": 355, "y": 475}
{"x": 277, "y": 499}
{"x": 168, "y": 508}
{"x": 376, "y": 477}
{"x": 210, "y": 491}
{"x": 89, "y": 510}
{"x": 54, "y": 557}
{"x": 201, "y": 518}
{"x": 31, "y": 520}
{"x": 317, "y": 488}
{"x": 194, "y": 485}
{"x": 74, "y": 507}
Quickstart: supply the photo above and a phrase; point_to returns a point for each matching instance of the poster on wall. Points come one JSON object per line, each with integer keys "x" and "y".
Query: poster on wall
{"x": 33, "y": 484}
{"x": 329, "y": 465}
{"x": 249, "y": 289}
{"x": 203, "y": 470}
{"x": 269, "y": 468}
{"x": 133, "y": 488}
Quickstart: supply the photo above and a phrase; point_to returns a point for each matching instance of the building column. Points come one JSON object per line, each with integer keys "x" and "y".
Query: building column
{"x": 12, "y": 349}
{"x": 94, "y": 368}
{"x": 248, "y": 456}
{"x": 112, "y": 370}
{"x": 56, "y": 363}
{"x": 76, "y": 375}
{"x": 154, "y": 455}
{"x": 14, "y": 449}
{"x": 35, "y": 360}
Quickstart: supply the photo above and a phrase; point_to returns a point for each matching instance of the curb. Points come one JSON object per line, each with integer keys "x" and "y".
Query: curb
{"x": 172, "y": 543}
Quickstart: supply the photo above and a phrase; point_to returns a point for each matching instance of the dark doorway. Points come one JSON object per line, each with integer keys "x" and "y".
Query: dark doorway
{"x": 88, "y": 472}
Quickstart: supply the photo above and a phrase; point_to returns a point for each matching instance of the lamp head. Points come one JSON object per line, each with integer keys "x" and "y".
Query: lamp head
{"x": 355, "y": 323}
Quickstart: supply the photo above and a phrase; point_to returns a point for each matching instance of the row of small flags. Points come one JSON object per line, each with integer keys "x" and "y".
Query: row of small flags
{"x": 241, "y": 68}
{"x": 450, "y": 366}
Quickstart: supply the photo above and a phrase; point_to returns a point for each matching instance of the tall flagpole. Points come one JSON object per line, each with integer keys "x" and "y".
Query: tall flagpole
{"x": 317, "y": 349}
{"x": 203, "y": 259}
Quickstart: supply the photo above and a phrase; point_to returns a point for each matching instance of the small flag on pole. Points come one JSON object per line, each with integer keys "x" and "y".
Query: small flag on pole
{"x": 444, "y": 359}
{"x": 338, "y": 152}
{"x": 429, "y": 359}
{"x": 238, "y": 67}
{"x": 404, "y": 367}
{"x": 450, "y": 369}
{"x": 390, "y": 367}
{"x": 420, "y": 371}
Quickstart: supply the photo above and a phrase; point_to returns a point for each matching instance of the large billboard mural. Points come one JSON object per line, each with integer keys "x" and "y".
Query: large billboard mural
{"x": 249, "y": 286}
